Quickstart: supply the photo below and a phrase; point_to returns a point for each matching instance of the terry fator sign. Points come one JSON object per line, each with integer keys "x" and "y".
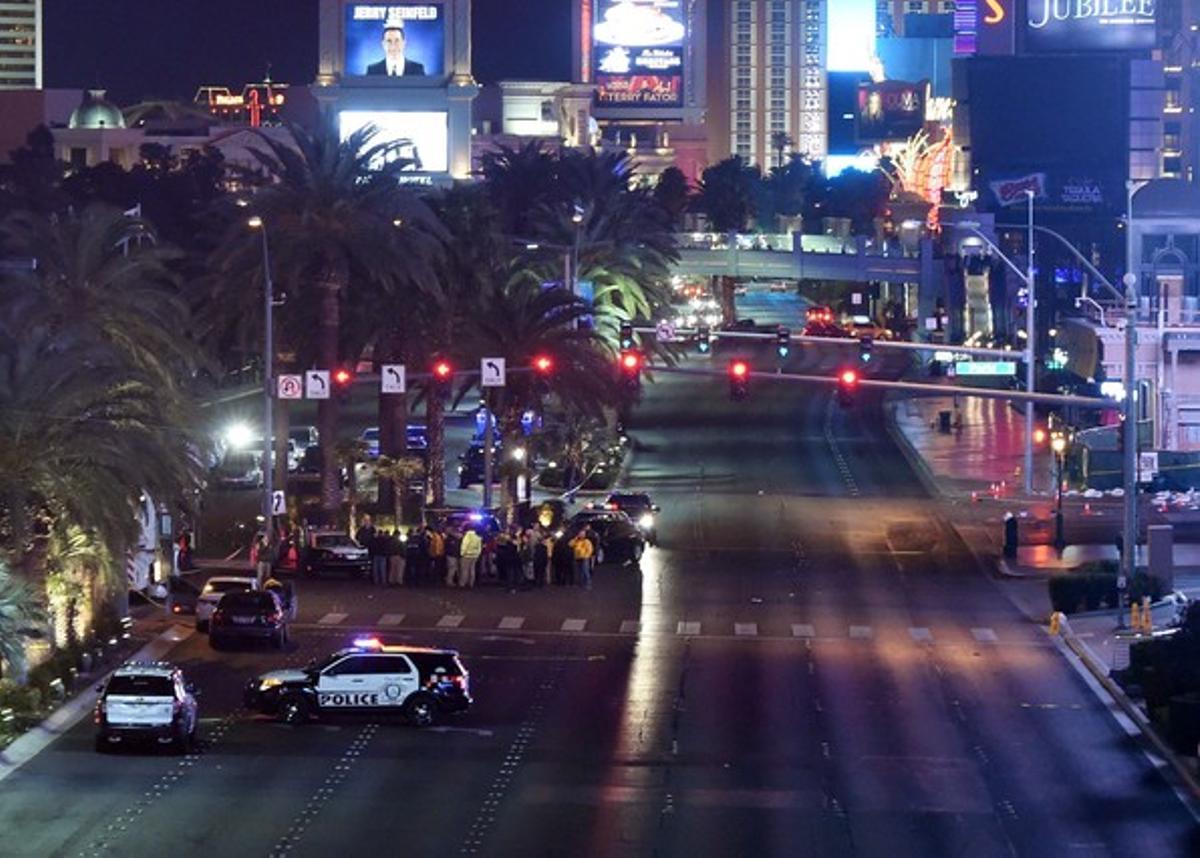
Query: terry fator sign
{"x": 1089, "y": 25}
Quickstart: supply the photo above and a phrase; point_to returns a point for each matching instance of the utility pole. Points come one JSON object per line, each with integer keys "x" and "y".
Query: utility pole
{"x": 257, "y": 223}
{"x": 1030, "y": 353}
{"x": 1130, "y": 281}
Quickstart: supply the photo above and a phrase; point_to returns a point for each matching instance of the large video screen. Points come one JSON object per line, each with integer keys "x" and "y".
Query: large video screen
{"x": 889, "y": 110}
{"x": 395, "y": 40}
{"x": 1095, "y": 25}
{"x": 638, "y": 48}
{"x": 422, "y": 137}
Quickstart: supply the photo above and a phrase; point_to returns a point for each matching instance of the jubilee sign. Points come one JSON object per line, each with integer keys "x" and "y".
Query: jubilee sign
{"x": 1054, "y": 26}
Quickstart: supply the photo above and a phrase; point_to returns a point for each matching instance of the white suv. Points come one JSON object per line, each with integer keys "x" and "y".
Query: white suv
{"x": 216, "y": 587}
{"x": 149, "y": 701}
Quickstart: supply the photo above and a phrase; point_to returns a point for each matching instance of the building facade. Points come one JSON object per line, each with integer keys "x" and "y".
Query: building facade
{"x": 20, "y": 44}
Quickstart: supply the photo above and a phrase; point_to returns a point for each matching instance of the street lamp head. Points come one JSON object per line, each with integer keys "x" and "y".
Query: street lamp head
{"x": 1130, "y": 280}
{"x": 255, "y": 222}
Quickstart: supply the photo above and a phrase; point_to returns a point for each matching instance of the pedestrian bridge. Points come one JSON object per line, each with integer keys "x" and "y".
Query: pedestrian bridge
{"x": 803, "y": 257}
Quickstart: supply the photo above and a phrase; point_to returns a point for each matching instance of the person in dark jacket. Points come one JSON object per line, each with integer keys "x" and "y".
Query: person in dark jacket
{"x": 508, "y": 561}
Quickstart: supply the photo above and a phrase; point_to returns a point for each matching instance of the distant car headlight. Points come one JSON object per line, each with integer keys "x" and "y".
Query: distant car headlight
{"x": 269, "y": 683}
{"x": 646, "y": 521}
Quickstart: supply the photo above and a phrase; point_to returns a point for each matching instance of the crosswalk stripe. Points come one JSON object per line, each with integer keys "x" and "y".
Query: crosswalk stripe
{"x": 630, "y": 627}
{"x": 860, "y": 631}
{"x": 803, "y": 630}
{"x": 687, "y": 628}
{"x": 391, "y": 619}
{"x": 512, "y": 623}
{"x": 745, "y": 629}
{"x": 450, "y": 621}
{"x": 574, "y": 625}
{"x": 984, "y": 635}
{"x": 331, "y": 619}
{"x": 919, "y": 633}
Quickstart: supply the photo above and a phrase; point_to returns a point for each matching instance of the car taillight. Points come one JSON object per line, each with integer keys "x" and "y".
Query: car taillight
{"x": 274, "y": 617}
{"x": 217, "y": 617}
{"x": 100, "y": 711}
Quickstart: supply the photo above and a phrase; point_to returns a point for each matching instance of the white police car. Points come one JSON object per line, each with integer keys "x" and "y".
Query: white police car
{"x": 370, "y": 677}
{"x": 150, "y": 702}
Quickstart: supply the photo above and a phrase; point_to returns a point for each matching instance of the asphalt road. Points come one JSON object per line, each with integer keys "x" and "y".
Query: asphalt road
{"x": 811, "y": 664}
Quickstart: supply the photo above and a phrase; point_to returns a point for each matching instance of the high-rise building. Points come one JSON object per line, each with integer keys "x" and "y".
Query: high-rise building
{"x": 772, "y": 97}
{"x": 20, "y": 44}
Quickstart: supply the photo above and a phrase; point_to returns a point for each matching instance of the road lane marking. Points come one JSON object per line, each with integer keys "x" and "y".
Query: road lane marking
{"x": 745, "y": 629}
{"x": 860, "y": 632}
{"x": 803, "y": 630}
{"x": 391, "y": 620}
{"x": 921, "y": 634}
{"x": 511, "y": 624}
{"x": 630, "y": 627}
{"x": 450, "y": 621}
{"x": 687, "y": 628}
{"x": 574, "y": 625}
{"x": 332, "y": 619}
{"x": 984, "y": 635}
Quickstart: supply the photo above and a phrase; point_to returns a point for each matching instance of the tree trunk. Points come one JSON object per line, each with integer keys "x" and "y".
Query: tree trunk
{"x": 327, "y": 409}
{"x": 435, "y": 427}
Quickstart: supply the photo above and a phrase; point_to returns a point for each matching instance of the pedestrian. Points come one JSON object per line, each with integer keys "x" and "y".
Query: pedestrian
{"x": 437, "y": 552}
{"x": 542, "y": 550}
{"x": 453, "y": 556}
{"x": 414, "y": 554}
{"x": 470, "y": 549}
{"x": 487, "y": 557}
{"x": 508, "y": 560}
{"x": 528, "y": 545}
{"x": 563, "y": 559}
{"x": 396, "y": 561}
{"x": 365, "y": 532}
{"x": 377, "y": 550}
{"x": 185, "y": 562}
{"x": 582, "y": 551}
{"x": 264, "y": 560}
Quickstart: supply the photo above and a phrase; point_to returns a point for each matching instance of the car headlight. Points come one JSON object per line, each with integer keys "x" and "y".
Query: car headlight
{"x": 269, "y": 683}
{"x": 646, "y": 521}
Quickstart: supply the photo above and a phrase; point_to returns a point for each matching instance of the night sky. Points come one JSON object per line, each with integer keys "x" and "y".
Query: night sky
{"x": 141, "y": 49}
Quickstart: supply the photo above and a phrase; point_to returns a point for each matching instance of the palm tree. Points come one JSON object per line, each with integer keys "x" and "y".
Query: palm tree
{"x": 334, "y": 214}
{"x": 20, "y": 612}
{"x": 726, "y": 194}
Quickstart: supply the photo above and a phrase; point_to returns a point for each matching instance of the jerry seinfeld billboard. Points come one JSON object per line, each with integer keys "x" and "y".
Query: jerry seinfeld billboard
{"x": 397, "y": 41}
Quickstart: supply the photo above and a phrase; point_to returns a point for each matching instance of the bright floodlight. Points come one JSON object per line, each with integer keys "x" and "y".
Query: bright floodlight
{"x": 238, "y": 436}
{"x": 255, "y": 222}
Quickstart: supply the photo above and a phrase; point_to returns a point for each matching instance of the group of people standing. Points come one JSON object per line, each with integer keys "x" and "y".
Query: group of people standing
{"x": 517, "y": 558}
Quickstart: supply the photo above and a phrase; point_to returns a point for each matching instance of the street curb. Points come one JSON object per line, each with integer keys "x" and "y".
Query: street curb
{"x": 910, "y": 452}
{"x": 1085, "y": 655}
{"x": 38, "y": 738}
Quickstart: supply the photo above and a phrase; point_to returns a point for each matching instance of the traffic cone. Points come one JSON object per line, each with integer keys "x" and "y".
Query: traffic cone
{"x": 1055, "y": 622}
{"x": 1135, "y": 617}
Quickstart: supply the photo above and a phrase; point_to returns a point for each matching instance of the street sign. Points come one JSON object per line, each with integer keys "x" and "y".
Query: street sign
{"x": 856, "y": 298}
{"x": 1147, "y": 466}
{"x": 391, "y": 379}
{"x": 664, "y": 332}
{"x": 278, "y": 503}
{"x": 985, "y": 367}
{"x": 316, "y": 384}
{"x": 491, "y": 372}
{"x": 291, "y": 386}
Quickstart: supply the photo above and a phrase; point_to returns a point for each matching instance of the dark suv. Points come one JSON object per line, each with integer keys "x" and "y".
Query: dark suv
{"x": 253, "y": 615}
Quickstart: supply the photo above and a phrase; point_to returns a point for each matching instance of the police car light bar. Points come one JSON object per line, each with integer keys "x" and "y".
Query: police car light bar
{"x": 368, "y": 643}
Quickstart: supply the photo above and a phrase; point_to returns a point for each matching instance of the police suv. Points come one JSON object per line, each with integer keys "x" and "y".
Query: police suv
{"x": 370, "y": 677}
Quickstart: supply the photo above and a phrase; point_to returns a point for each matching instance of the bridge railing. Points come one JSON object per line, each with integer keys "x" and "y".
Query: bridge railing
{"x": 786, "y": 243}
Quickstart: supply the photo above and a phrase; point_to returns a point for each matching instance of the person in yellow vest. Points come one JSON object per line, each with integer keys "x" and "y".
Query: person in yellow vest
{"x": 582, "y": 551}
{"x": 472, "y": 547}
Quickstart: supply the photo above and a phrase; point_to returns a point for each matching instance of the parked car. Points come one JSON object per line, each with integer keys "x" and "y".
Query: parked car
{"x": 418, "y": 440}
{"x": 620, "y": 539}
{"x": 460, "y": 518}
{"x": 641, "y": 510}
{"x": 182, "y": 595}
{"x": 304, "y": 437}
{"x": 334, "y": 551}
{"x": 216, "y": 587}
{"x": 471, "y": 465}
{"x": 251, "y": 615}
{"x": 149, "y": 702}
{"x": 240, "y": 469}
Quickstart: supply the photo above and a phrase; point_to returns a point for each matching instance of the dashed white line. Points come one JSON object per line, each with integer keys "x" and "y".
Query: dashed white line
{"x": 574, "y": 625}
{"x": 803, "y": 630}
{"x": 861, "y": 632}
{"x": 745, "y": 629}
{"x": 511, "y": 623}
{"x": 984, "y": 635}
{"x": 921, "y": 634}
{"x": 391, "y": 620}
{"x": 630, "y": 627}
{"x": 332, "y": 619}
{"x": 687, "y": 628}
{"x": 450, "y": 621}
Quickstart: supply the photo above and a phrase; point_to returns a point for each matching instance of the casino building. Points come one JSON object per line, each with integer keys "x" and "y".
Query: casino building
{"x": 20, "y": 44}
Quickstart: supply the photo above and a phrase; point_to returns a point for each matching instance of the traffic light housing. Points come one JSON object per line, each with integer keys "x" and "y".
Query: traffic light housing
{"x": 739, "y": 379}
{"x": 626, "y": 335}
{"x": 783, "y": 341}
{"x": 847, "y": 384}
{"x": 631, "y": 369}
{"x": 343, "y": 380}
{"x": 703, "y": 339}
{"x": 443, "y": 376}
{"x": 865, "y": 344}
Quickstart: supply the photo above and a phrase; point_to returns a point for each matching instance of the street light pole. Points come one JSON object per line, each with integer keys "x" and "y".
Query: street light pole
{"x": 257, "y": 223}
{"x": 1059, "y": 444}
{"x": 1130, "y": 281}
{"x": 1030, "y": 353}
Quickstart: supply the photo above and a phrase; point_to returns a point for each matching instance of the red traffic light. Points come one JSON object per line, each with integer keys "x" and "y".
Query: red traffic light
{"x": 739, "y": 369}
{"x": 631, "y": 361}
{"x": 543, "y": 364}
{"x": 342, "y": 377}
{"x": 848, "y": 378}
{"x": 442, "y": 370}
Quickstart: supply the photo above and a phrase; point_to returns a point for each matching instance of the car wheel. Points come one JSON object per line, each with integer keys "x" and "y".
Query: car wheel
{"x": 639, "y": 548}
{"x": 293, "y": 709}
{"x": 421, "y": 710}
{"x": 202, "y": 625}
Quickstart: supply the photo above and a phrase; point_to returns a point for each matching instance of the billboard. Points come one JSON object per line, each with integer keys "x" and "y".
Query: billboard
{"x": 1089, "y": 25}
{"x": 637, "y": 48}
{"x": 422, "y": 137}
{"x": 890, "y": 110}
{"x": 395, "y": 40}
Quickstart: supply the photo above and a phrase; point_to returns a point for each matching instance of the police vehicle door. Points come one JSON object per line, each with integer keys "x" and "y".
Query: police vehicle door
{"x": 349, "y": 684}
{"x": 396, "y": 678}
